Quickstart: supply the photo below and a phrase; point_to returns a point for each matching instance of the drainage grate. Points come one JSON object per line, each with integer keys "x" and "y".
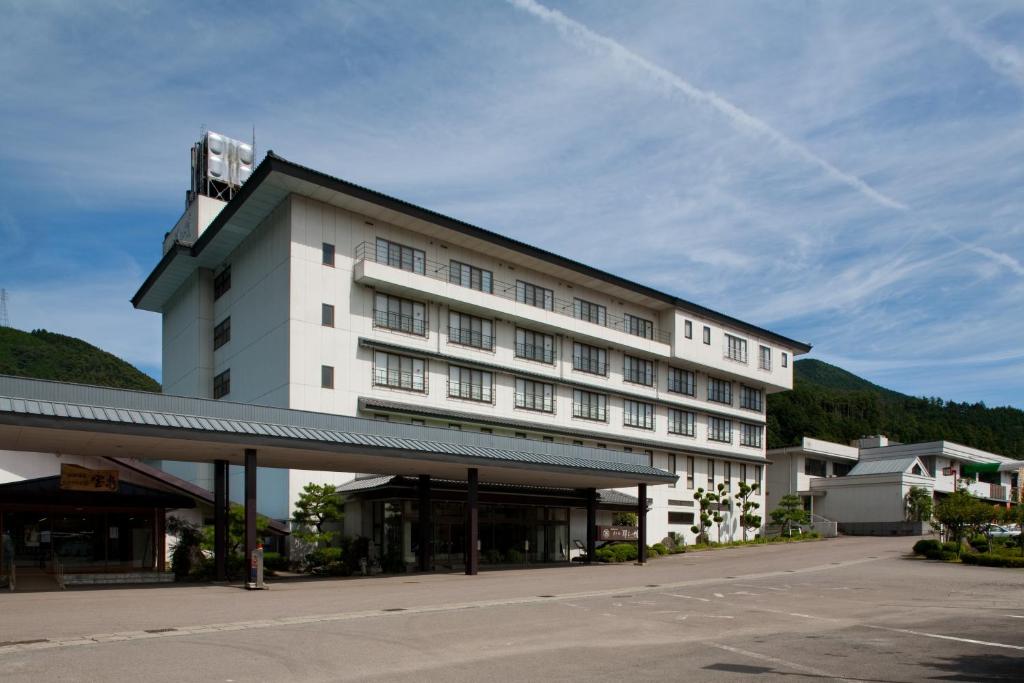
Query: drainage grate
{"x": 160, "y": 630}
{"x": 653, "y": 585}
{"x": 545, "y": 596}
{"x": 394, "y": 609}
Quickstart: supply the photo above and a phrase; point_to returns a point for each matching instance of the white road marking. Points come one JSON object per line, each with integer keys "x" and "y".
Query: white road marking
{"x": 780, "y": 662}
{"x": 718, "y": 595}
{"x": 1014, "y": 616}
{"x": 942, "y": 637}
{"x": 745, "y": 593}
{"x": 688, "y": 597}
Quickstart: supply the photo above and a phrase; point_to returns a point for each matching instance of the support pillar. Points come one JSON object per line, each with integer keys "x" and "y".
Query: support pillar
{"x": 591, "y": 525}
{"x": 472, "y": 521}
{"x": 426, "y": 540}
{"x": 250, "y": 503}
{"x": 220, "y": 519}
{"x": 641, "y": 524}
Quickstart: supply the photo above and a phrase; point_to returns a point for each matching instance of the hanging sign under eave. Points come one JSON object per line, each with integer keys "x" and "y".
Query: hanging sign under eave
{"x": 78, "y": 478}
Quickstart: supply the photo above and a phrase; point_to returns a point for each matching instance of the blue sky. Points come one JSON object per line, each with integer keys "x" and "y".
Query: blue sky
{"x": 847, "y": 174}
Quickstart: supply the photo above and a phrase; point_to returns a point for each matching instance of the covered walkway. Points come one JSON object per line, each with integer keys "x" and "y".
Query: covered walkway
{"x": 55, "y": 417}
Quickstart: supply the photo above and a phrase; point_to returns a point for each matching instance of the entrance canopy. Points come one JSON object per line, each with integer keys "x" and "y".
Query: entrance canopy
{"x": 57, "y": 417}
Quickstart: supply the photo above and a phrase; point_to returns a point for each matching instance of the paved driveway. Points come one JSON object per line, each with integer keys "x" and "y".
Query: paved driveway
{"x": 846, "y": 609}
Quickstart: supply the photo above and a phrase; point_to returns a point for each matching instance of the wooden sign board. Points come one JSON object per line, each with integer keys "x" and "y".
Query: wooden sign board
{"x": 77, "y": 478}
{"x": 618, "y": 533}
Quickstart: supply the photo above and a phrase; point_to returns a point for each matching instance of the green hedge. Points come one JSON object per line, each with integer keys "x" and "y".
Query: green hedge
{"x": 623, "y": 552}
{"x": 990, "y": 560}
{"x": 925, "y": 545}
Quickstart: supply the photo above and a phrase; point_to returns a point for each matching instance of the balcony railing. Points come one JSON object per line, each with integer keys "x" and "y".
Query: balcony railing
{"x": 591, "y": 365}
{"x": 681, "y": 386}
{"x": 467, "y": 337}
{"x": 367, "y": 251}
{"x": 638, "y": 376}
{"x": 399, "y": 322}
{"x": 535, "y": 352}
{"x": 542, "y": 403}
{"x": 590, "y": 412}
{"x": 397, "y": 379}
{"x": 483, "y": 393}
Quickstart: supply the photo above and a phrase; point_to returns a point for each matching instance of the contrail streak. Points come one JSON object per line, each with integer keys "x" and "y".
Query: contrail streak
{"x": 596, "y": 43}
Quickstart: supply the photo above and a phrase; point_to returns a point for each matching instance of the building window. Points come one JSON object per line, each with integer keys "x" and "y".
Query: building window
{"x": 688, "y": 329}
{"x": 711, "y": 474}
{"x": 681, "y": 422}
{"x": 486, "y": 430}
{"x": 548, "y": 439}
{"x": 766, "y": 358}
{"x": 682, "y": 381}
{"x": 672, "y": 467}
{"x": 327, "y": 315}
{"x": 399, "y": 372}
{"x": 472, "y": 385}
{"x": 535, "y": 346}
{"x": 456, "y": 427}
{"x": 841, "y": 469}
{"x": 521, "y": 435}
{"x": 222, "y": 333}
{"x": 728, "y": 473}
{"x": 638, "y": 370}
{"x": 815, "y": 468}
{"x": 640, "y": 327}
{"x": 785, "y": 359}
{"x": 719, "y": 391}
{"x": 735, "y": 348}
{"x": 222, "y": 384}
{"x": 602, "y": 445}
{"x": 400, "y": 315}
{"x": 638, "y": 414}
{"x": 468, "y": 330}
{"x": 400, "y": 256}
{"x": 650, "y": 462}
{"x": 326, "y": 377}
{"x": 750, "y": 398}
{"x": 589, "y": 405}
{"x": 680, "y": 517}
{"x": 707, "y": 335}
{"x": 534, "y": 295}
{"x": 757, "y": 473}
{"x": 222, "y": 283}
{"x": 465, "y": 275}
{"x": 689, "y": 471}
{"x": 719, "y": 430}
{"x": 327, "y": 251}
{"x": 743, "y": 472}
{"x": 577, "y": 442}
{"x": 587, "y": 358}
{"x": 532, "y": 395}
{"x": 750, "y": 435}
{"x": 592, "y": 313}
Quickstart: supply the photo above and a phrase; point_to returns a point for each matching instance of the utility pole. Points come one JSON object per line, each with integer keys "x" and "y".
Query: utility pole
{"x": 5, "y": 321}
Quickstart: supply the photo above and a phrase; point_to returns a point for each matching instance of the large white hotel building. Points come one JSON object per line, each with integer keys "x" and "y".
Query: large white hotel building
{"x": 311, "y": 293}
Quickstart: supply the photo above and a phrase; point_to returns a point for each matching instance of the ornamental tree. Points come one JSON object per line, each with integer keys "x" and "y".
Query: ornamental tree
{"x": 748, "y": 518}
{"x": 789, "y": 513}
{"x": 318, "y": 504}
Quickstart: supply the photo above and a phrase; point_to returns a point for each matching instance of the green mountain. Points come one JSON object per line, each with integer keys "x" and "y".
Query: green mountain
{"x": 47, "y": 355}
{"x": 830, "y": 403}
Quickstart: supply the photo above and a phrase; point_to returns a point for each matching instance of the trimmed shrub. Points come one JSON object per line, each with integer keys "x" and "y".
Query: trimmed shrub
{"x": 661, "y": 548}
{"x": 275, "y": 562}
{"x": 925, "y": 544}
{"x": 652, "y": 552}
{"x": 989, "y": 560}
{"x": 950, "y": 546}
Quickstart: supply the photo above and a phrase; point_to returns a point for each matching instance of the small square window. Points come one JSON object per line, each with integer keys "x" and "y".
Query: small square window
{"x": 520, "y": 435}
{"x": 549, "y": 439}
{"x": 326, "y": 376}
{"x": 452, "y": 425}
{"x": 486, "y": 430}
{"x": 785, "y": 359}
{"x": 327, "y": 315}
{"x": 577, "y": 442}
{"x": 328, "y": 250}
{"x": 688, "y": 329}
{"x": 222, "y": 384}
{"x": 707, "y": 335}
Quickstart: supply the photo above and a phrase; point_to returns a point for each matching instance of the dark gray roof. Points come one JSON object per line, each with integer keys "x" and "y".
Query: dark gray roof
{"x": 73, "y": 403}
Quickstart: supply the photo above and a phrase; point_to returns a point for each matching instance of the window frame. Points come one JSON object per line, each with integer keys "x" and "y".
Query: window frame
{"x": 643, "y": 416}
{"x": 222, "y": 384}
{"x": 222, "y": 333}
{"x": 601, "y": 410}
{"x": 547, "y": 402}
{"x": 746, "y": 432}
{"x": 391, "y": 253}
{"x": 328, "y": 254}
{"x": 464, "y": 336}
{"x": 707, "y": 335}
{"x": 326, "y": 315}
{"x": 637, "y": 326}
{"x": 547, "y": 347}
{"x": 222, "y": 282}
{"x": 687, "y": 418}
{"x": 719, "y": 429}
{"x": 688, "y": 382}
{"x": 389, "y": 372}
{"x": 716, "y": 392}
{"x": 326, "y": 376}
{"x": 486, "y": 388}
{"x": 585, "y": 310}
{"x": 587, "y": 364}
{"x": 764, "y": 361}
{"x": 460, "y": 273}
{"x": 745, "y": 394}
{"x": 384, "y": 319}
{"x": 735, "y": 348}
{"x": 529, "y": 294}
{"x": 650, "y": 371}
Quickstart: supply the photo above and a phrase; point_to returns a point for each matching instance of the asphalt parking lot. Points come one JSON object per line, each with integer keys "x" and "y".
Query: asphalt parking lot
{"x": 854, "y": 609}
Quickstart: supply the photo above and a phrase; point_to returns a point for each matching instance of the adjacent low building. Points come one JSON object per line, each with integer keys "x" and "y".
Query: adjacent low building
{"x": 863, "y": 487}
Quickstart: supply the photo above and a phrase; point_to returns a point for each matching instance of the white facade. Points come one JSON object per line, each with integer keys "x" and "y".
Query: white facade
{"x": 513, "y": 370}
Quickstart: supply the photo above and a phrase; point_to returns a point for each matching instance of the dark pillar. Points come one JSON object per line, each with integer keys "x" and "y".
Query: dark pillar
{"x": 641, "y": 523}
{"x": 250, "y": 503}
{"x": 220, "y": 519}
{"x": 426, "y": 539}
{"x": 160, "y": 517}
{"x": 472, "y": 520}
{"x": 591, "y": 524}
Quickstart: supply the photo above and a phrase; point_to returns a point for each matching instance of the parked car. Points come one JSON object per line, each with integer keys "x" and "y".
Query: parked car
{"x": 997, "y": 531}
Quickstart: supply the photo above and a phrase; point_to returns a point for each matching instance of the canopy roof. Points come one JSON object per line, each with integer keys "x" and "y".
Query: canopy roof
{"x": 57, "y": 417}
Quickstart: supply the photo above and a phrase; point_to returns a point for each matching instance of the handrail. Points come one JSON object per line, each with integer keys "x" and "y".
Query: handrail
{"x": 367, "y": 251}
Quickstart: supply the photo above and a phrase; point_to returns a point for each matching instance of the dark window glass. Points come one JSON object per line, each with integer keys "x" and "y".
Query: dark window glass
{"x": 638, "y": 414}
{"x": 688, "y": 329}
{"x": 535, "y": 395}
{"x": 638, "y": 326}
{"x": 638, "y": 370}
{"x": 400, "y": 256}
{"x": 468, "y": 330}
{"x": 400, "y": 315}
{"x": 470, "y": 384}
{"x": 534, "y": 295}
{"x": 680, "y": 518}
{"x": 222, "y": 384}
{"x": 587, "y": 358}
{"x": 221, "y": 283}
{"x": 326, "y": 377}
{"x": 815, "y": 467}
{"x": 707, "y": 334}
{"x": 222, "y": 333}
{"x": 591, "y": 312}
{"x": 750, "y": 398}
{"x": 589, "y": 405}
{"x": 469, "y": 276}
{"x": 681, "y": 422}
{"x": 750, "y": 435}
{"x": 719, "y": 430}
{"x": 682, "y": 381}
{"x": 328, "y": 254}
{"x": 327, "y": 315}
{"x": 535, "y": 346}
{"x": 719, "y": 391}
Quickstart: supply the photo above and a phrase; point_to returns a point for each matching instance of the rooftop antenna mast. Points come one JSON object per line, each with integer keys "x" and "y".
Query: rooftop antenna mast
{"x": 5, "y": 321}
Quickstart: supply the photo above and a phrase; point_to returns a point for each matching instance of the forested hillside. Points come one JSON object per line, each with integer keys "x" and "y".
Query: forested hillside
{"x": 46, "y": 355}
{"x": 830, "y": 403}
